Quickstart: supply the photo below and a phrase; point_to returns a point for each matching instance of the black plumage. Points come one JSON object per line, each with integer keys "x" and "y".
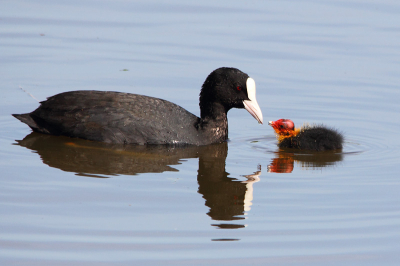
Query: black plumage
{"x": 316, "y": 138}
{"x": 116, "y": 117}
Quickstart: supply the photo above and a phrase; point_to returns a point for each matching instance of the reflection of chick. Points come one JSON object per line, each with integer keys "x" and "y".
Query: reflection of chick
{"x": 283, "y": 164}
{"x": 316, "y": 138}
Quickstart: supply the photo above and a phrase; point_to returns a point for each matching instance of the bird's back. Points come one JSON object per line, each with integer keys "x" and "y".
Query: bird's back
{"x": 114, "y": 117}
{"x": 317, "y": 138}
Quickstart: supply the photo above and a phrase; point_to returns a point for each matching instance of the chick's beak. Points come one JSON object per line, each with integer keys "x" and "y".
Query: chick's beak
{"x": 273, "y": 125}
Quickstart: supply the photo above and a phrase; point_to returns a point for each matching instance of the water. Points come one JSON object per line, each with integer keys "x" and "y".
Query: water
{"x": 66, "y": 201}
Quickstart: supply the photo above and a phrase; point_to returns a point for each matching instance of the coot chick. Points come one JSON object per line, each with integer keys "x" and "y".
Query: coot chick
{"x": 315, "y": 138}
{"x": 116, "y": 117}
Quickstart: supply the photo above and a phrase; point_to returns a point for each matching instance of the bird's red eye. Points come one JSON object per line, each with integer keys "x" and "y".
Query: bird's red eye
{"x": 239, "y": 88}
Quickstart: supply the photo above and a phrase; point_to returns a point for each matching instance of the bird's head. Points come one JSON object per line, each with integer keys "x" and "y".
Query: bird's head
{"x": 283, "y": 127}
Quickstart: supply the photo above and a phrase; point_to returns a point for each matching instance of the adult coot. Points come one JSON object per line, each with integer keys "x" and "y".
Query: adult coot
{"x": 116, "y": 117}
{"x": 316, "y": 138}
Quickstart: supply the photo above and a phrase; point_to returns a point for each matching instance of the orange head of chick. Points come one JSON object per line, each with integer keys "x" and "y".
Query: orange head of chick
{"x": 284, "y": 128}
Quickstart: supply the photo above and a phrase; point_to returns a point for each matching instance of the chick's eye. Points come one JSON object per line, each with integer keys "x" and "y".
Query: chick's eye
{"x": 281, "y": 126}
{"x": 239, "y": 88}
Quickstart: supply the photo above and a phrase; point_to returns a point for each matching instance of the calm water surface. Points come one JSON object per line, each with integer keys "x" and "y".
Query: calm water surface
{"x": 72, "y": 202}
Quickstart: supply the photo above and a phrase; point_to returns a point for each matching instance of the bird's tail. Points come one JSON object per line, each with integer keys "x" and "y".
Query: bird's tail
{"x": 27, "y": 119}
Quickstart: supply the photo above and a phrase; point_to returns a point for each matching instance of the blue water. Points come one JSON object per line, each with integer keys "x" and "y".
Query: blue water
{"x": 73, "y": 202}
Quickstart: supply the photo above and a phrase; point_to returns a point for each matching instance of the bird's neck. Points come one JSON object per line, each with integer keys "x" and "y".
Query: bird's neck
{"x": 214, "y": 122}
{"x": 212, "y": 111}
{"x": 288, "y": 134}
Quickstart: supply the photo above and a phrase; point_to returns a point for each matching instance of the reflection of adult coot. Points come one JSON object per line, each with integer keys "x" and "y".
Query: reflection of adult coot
{"x": 225, "y": 196}
{"x": 95, "y": 158}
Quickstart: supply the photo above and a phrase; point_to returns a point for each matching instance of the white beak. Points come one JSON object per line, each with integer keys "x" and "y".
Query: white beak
{"x": 251, "y": 105}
